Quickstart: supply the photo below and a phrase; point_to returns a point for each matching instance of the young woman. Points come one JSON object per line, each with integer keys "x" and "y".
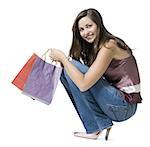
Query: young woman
{"x": 102, "y": 79}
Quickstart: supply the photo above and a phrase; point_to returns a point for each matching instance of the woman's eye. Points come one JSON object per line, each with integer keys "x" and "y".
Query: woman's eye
{"x": 89, "y": 26}
{"x": 81, "y": 29}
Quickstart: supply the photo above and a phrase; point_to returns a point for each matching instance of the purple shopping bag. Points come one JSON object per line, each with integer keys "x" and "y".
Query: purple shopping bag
{"x": 42, "y": 81}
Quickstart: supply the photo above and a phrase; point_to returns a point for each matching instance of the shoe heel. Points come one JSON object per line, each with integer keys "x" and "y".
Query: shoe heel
{"x": 107, "y": 133}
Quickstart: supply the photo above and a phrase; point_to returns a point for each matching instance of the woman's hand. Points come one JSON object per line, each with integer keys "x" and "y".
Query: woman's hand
{"x": 57, "y": 55}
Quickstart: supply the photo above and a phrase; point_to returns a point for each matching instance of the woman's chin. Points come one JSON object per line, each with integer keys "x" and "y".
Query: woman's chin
{"x": 90, "y": 41}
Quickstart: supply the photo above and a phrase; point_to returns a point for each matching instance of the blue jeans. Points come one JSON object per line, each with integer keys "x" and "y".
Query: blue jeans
{"x": 98, "y": 106}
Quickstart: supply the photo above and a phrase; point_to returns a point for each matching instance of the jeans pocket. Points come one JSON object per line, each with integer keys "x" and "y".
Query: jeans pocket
{"x": 117, "y": 113}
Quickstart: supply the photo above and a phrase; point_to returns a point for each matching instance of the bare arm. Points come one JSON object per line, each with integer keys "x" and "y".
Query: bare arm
{"x": 94, "y": 73}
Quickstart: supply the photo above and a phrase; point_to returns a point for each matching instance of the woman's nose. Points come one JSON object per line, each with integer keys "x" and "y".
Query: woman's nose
{"x": 86, "y": 33}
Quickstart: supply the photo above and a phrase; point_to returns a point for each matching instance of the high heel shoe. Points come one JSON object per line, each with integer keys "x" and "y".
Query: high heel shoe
{"x": 88, "y": 136}
{"x": 107, "y": 133}
{"x": 93, "y": 136}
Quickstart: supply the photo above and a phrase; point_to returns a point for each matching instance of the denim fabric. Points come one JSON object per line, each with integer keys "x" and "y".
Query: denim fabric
{"x": 98, "y": 106}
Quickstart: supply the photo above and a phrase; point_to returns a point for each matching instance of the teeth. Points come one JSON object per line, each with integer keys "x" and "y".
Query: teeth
{"x": 89, "y": 36}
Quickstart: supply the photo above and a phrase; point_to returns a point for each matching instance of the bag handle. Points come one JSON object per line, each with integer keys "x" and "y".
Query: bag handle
{"x": 44, "y": 57}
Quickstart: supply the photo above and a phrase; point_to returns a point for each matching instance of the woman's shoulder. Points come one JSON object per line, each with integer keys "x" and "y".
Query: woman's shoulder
{"x": 110, "y": 44}
{"x": 119, "y": 53}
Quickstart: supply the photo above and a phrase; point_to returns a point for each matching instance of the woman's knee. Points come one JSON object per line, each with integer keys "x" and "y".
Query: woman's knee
{"x": 83, "y": 68}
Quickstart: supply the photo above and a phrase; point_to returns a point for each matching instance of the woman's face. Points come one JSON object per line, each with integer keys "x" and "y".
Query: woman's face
{"x": 87, "y": 29}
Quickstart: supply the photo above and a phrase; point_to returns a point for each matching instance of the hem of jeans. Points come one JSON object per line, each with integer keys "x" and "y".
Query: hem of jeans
{"x": 100, "y": 129}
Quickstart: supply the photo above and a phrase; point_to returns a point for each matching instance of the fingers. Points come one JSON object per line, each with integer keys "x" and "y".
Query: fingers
{"x": 50, "y": 52}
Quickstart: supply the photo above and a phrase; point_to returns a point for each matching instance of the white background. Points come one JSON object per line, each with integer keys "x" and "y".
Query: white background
{"x": 28, "y": 26}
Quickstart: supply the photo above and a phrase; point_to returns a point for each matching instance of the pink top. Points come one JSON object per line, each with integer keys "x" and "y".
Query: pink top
{"x": 124, "y": 75}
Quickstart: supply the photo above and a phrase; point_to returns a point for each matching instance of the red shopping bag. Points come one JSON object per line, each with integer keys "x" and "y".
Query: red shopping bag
{"x": 21, "y": 78}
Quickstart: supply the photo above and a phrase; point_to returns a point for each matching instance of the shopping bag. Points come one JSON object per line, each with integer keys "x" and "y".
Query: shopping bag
{"x": 42, "y": 80}
{"x": 21, "y": 78}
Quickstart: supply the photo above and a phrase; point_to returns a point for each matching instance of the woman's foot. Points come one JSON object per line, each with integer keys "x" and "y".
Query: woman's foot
{"x": 88, "y": 136}
{"x": 94, "y": 135}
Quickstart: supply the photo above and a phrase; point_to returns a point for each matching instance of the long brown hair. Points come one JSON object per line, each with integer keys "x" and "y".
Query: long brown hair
{"x": 81, "y": 49}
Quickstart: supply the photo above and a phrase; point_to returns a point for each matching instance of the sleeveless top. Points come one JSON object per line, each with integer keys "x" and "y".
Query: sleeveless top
{"x": 124, "y": 75}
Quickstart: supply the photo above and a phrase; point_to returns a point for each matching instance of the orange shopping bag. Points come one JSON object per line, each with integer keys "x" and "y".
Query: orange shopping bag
{"x": 21, "y": 78}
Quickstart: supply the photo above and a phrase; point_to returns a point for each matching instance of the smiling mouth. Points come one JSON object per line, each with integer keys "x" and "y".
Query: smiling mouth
{"x": 89, "y": 37}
